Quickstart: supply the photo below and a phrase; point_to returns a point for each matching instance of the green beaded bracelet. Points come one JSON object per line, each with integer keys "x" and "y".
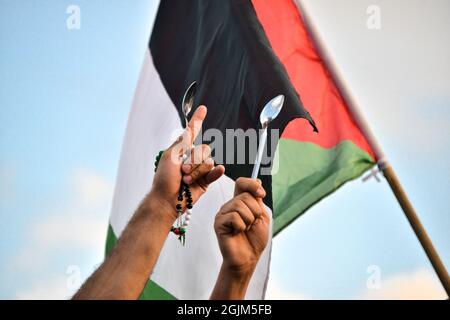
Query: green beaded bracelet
{"x": 158, "y": 157}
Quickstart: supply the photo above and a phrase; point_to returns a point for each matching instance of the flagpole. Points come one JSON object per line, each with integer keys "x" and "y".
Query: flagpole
{"x": 382, "y": 163}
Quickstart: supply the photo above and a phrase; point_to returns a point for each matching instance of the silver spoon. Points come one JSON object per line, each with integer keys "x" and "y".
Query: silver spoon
{"x": 269, "y": 113}
{"x": 186, "y": 107}
{"x": 188, "y": 100}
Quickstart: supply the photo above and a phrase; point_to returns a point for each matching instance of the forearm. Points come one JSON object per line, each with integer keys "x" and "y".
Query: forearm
{"x": 126, "y": 270}
{"x": 231, "y": 284}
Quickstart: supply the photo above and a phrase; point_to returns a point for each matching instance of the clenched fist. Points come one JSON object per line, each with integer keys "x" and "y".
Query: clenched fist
{"x": 242, "y": 226}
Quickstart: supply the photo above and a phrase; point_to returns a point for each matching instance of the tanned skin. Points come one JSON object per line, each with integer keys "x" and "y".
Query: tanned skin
{"x": 241, "y": 226}
{"x": 242, "y": 229}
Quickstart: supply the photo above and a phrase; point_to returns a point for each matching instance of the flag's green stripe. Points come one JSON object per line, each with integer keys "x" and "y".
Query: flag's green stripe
{"x": 152, "y": 291}
{"x": 307, "y": 173}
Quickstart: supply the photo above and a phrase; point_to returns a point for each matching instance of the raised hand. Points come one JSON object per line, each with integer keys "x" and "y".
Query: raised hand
{"x": 242, "y": 226}
{"x": 198, "y": 170}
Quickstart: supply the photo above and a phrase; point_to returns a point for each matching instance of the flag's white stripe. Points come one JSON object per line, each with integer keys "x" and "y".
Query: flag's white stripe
{"x": 186, "y": 272}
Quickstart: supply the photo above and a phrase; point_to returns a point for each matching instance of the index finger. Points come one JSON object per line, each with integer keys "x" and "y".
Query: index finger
{"x": 183, "y": 144}
{"x": 195, "y": 124}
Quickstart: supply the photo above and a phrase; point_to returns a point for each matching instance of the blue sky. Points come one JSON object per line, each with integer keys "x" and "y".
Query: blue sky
{"x": 65, "y": 96}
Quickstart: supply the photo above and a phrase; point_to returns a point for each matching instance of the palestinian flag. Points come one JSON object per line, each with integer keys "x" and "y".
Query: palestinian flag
{"x": 241, "y": 53}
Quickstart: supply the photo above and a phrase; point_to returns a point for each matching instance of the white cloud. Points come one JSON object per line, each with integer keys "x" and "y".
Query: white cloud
{"x": 91, "y": 188}
{"x": 418, "y": 285}
{"x": 276, "y": 292}
{"x": 46, "y": 289}
{"x": 72, "y": 231}
{"x": 77, "y": 227}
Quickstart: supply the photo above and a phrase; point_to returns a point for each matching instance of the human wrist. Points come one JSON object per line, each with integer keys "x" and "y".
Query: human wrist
{"x": 159, "y": 207}
{"x": 240, "y": 272}
{"x": 232, "y": 283}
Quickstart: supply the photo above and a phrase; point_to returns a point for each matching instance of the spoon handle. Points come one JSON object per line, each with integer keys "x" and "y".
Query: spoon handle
{"x": 262, "y": 144}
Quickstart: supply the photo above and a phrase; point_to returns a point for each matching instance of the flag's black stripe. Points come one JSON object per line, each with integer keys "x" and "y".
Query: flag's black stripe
{"x": 221, "y": 45}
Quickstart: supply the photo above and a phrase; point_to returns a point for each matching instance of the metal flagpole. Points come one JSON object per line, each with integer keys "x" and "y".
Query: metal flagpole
{"x": 382, "y": 163}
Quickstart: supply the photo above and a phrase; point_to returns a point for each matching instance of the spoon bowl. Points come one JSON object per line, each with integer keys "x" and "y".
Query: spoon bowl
{"x": 271, "y": 110}
{"x": 188, "y": 100}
